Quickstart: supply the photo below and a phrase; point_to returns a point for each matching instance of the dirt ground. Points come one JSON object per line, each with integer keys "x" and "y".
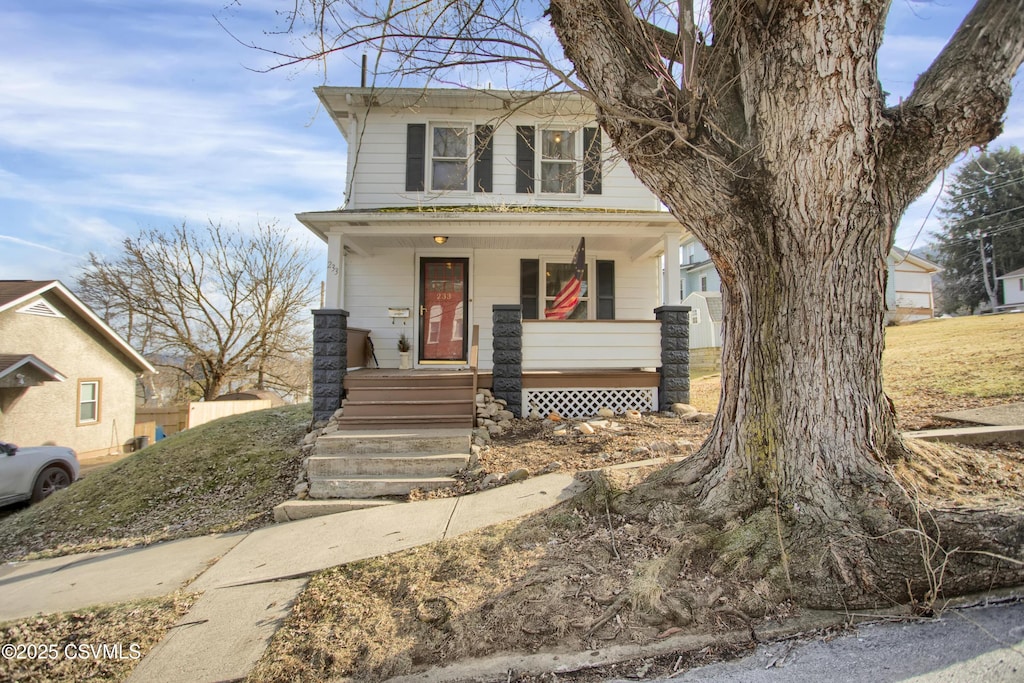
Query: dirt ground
{"x": 579, "y": 577}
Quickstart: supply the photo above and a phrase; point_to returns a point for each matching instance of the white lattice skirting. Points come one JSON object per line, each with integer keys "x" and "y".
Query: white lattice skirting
{"x": 580, "y": 402}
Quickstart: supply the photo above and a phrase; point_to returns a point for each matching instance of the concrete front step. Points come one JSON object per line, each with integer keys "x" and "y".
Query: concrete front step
{"x": 407, "y": 421}
{"x": 457, "y": 407}
{"x": 373, "y": 487}
{"x": 294, "y": 510}
{"x": 386, "y": 464}
{"x": 396, "y": 441}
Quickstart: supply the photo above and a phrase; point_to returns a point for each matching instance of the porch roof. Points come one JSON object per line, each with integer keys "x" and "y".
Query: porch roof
{"x": 637, "y": 233}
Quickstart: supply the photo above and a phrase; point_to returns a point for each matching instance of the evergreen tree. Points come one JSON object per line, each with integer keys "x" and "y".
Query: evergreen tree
{"x": 983, "y": 230}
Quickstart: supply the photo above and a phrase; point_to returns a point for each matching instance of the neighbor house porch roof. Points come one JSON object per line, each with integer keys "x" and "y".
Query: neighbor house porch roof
{"x": 13, "y": 369}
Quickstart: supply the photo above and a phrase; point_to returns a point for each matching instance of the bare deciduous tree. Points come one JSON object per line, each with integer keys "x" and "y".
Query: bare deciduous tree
{"x": 762, "y": 126}
{"x": 213, "y": 305}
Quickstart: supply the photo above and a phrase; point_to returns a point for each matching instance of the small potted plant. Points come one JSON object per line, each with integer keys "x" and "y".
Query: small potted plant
{"x": 404, "y": 362}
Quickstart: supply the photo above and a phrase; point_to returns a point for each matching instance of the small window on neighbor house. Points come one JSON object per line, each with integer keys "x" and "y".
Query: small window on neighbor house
{"x": 1020, "y": 283}
{"x": 88, "y": 401}
{"x": 449, "y": 158}
{"x": 694, "y": 316}
{"x": 704, "y": 283}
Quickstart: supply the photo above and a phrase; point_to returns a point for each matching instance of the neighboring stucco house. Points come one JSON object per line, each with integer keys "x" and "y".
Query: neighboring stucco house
{"x": 466, "y": 209}
{"x": 1013, "y": 289}
{"x": 66, "y": 378}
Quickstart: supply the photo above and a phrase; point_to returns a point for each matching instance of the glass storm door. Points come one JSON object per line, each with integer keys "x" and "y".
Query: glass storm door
{"x": 443, "y": 303}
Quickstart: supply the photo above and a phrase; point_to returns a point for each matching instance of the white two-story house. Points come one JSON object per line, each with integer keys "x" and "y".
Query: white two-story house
{"x": 467, "y": 207}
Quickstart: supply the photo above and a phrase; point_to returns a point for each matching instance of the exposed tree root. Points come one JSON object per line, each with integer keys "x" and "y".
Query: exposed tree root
{"x": 872, "y": 545}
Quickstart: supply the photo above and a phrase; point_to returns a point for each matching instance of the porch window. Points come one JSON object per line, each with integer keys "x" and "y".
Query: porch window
{"x": 88, "y": 401}
{"x": 540, "y": 283}
{"x": 557, "y": 276}
{"x": 449, "y": 157}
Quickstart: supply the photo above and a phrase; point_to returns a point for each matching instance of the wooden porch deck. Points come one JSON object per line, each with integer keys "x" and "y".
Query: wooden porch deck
{"x": 532, "y": 379}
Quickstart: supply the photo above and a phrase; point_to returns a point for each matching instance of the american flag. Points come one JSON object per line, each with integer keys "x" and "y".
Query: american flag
{"x": 566, "y": 300}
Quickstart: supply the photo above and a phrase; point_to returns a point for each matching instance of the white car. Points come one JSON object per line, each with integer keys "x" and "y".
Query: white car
{"x": 34, "y": 473}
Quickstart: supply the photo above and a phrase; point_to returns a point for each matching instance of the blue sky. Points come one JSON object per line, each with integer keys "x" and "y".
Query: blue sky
{"x": 117, "y": 115}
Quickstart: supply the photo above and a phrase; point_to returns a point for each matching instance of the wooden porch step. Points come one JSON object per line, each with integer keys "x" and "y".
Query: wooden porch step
{"x": 386, "y": 392}
{"x": 386, "y": 464}
{"x": 408, "y": 378}
{"x": 373, "y": 487}
{"x": 360, "y": 408}
{"x": 406, "y": 421}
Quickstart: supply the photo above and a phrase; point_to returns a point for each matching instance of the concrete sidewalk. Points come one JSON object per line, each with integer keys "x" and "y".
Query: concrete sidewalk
{"x": 255, "y": 577}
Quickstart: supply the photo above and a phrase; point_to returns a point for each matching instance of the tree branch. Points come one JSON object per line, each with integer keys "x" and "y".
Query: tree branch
{"x": 959, "y": 101}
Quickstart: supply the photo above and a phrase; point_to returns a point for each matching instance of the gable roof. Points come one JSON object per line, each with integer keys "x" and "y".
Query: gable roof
{"x": 898, "y": 256}
{"x": 10, "y": 362}
{"x": 713, "y": 300}
{"x": 1015, "y": 273}
{"x": 16, "y": 292}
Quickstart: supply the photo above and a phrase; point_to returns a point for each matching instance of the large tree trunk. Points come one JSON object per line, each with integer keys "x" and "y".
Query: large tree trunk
{"x": 779, "y": 154}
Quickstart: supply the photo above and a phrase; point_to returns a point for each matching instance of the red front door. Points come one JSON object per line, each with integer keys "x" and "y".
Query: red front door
{"x": 444, "y": 293}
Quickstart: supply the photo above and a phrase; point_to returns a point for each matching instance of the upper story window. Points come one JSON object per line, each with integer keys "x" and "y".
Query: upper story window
{"x": 558, "y": 165}
{"x": 442, "y": 156}
{"x": 449, "y": 158}
{"x": 565, "y": 161}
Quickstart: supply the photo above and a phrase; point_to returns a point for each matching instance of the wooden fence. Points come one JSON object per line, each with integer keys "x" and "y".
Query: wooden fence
{"x": 174, "y": 419}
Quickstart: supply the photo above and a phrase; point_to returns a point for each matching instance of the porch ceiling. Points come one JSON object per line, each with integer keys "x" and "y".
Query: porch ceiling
{"x": 637, "y": 233}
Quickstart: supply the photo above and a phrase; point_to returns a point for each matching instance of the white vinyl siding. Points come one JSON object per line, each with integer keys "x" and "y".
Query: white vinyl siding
{"x": 377, "y": 180}
{"x": 387, "y": 279}
{"x": 588, "y": 345}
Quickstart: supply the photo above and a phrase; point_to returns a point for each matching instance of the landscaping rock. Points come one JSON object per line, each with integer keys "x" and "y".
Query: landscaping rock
{"x": 633, "y": 414}
{"x": 521, "y": 474}
{"x": 585, "y": 428}
{"x": 684, "y": 410}
{"x": 606, "y": 412}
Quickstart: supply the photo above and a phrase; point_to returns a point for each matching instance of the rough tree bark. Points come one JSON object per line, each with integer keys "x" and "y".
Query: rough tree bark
{"x": 779, "y": 153}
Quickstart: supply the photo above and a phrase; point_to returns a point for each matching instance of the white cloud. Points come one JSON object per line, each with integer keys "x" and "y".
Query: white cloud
{"x": 119, "y": 116}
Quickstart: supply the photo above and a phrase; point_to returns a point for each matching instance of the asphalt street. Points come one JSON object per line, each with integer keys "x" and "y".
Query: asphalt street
{"x": 975, "y": 645}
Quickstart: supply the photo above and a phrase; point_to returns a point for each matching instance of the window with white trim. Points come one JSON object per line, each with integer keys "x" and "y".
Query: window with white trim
{"x": 88, "y": 401}
{"x": 558, "y": 161}
{"x": 556, "y": 277}
{"x": 449, "y": 157}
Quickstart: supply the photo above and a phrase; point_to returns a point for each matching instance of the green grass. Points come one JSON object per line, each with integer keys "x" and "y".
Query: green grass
{"x": 222, "y": 476}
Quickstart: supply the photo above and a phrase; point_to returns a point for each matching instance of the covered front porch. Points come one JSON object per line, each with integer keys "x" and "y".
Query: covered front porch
{"x": 574, "y": 368}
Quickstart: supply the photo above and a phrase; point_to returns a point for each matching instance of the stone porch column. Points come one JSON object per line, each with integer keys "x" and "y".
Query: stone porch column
{"x": 507, "y": 339}
{"x": 330, "y": 351}
{"x": 674, "y": 386}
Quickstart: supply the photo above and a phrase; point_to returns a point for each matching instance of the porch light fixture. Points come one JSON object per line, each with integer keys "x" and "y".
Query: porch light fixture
{"x": 440, "y": 239}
